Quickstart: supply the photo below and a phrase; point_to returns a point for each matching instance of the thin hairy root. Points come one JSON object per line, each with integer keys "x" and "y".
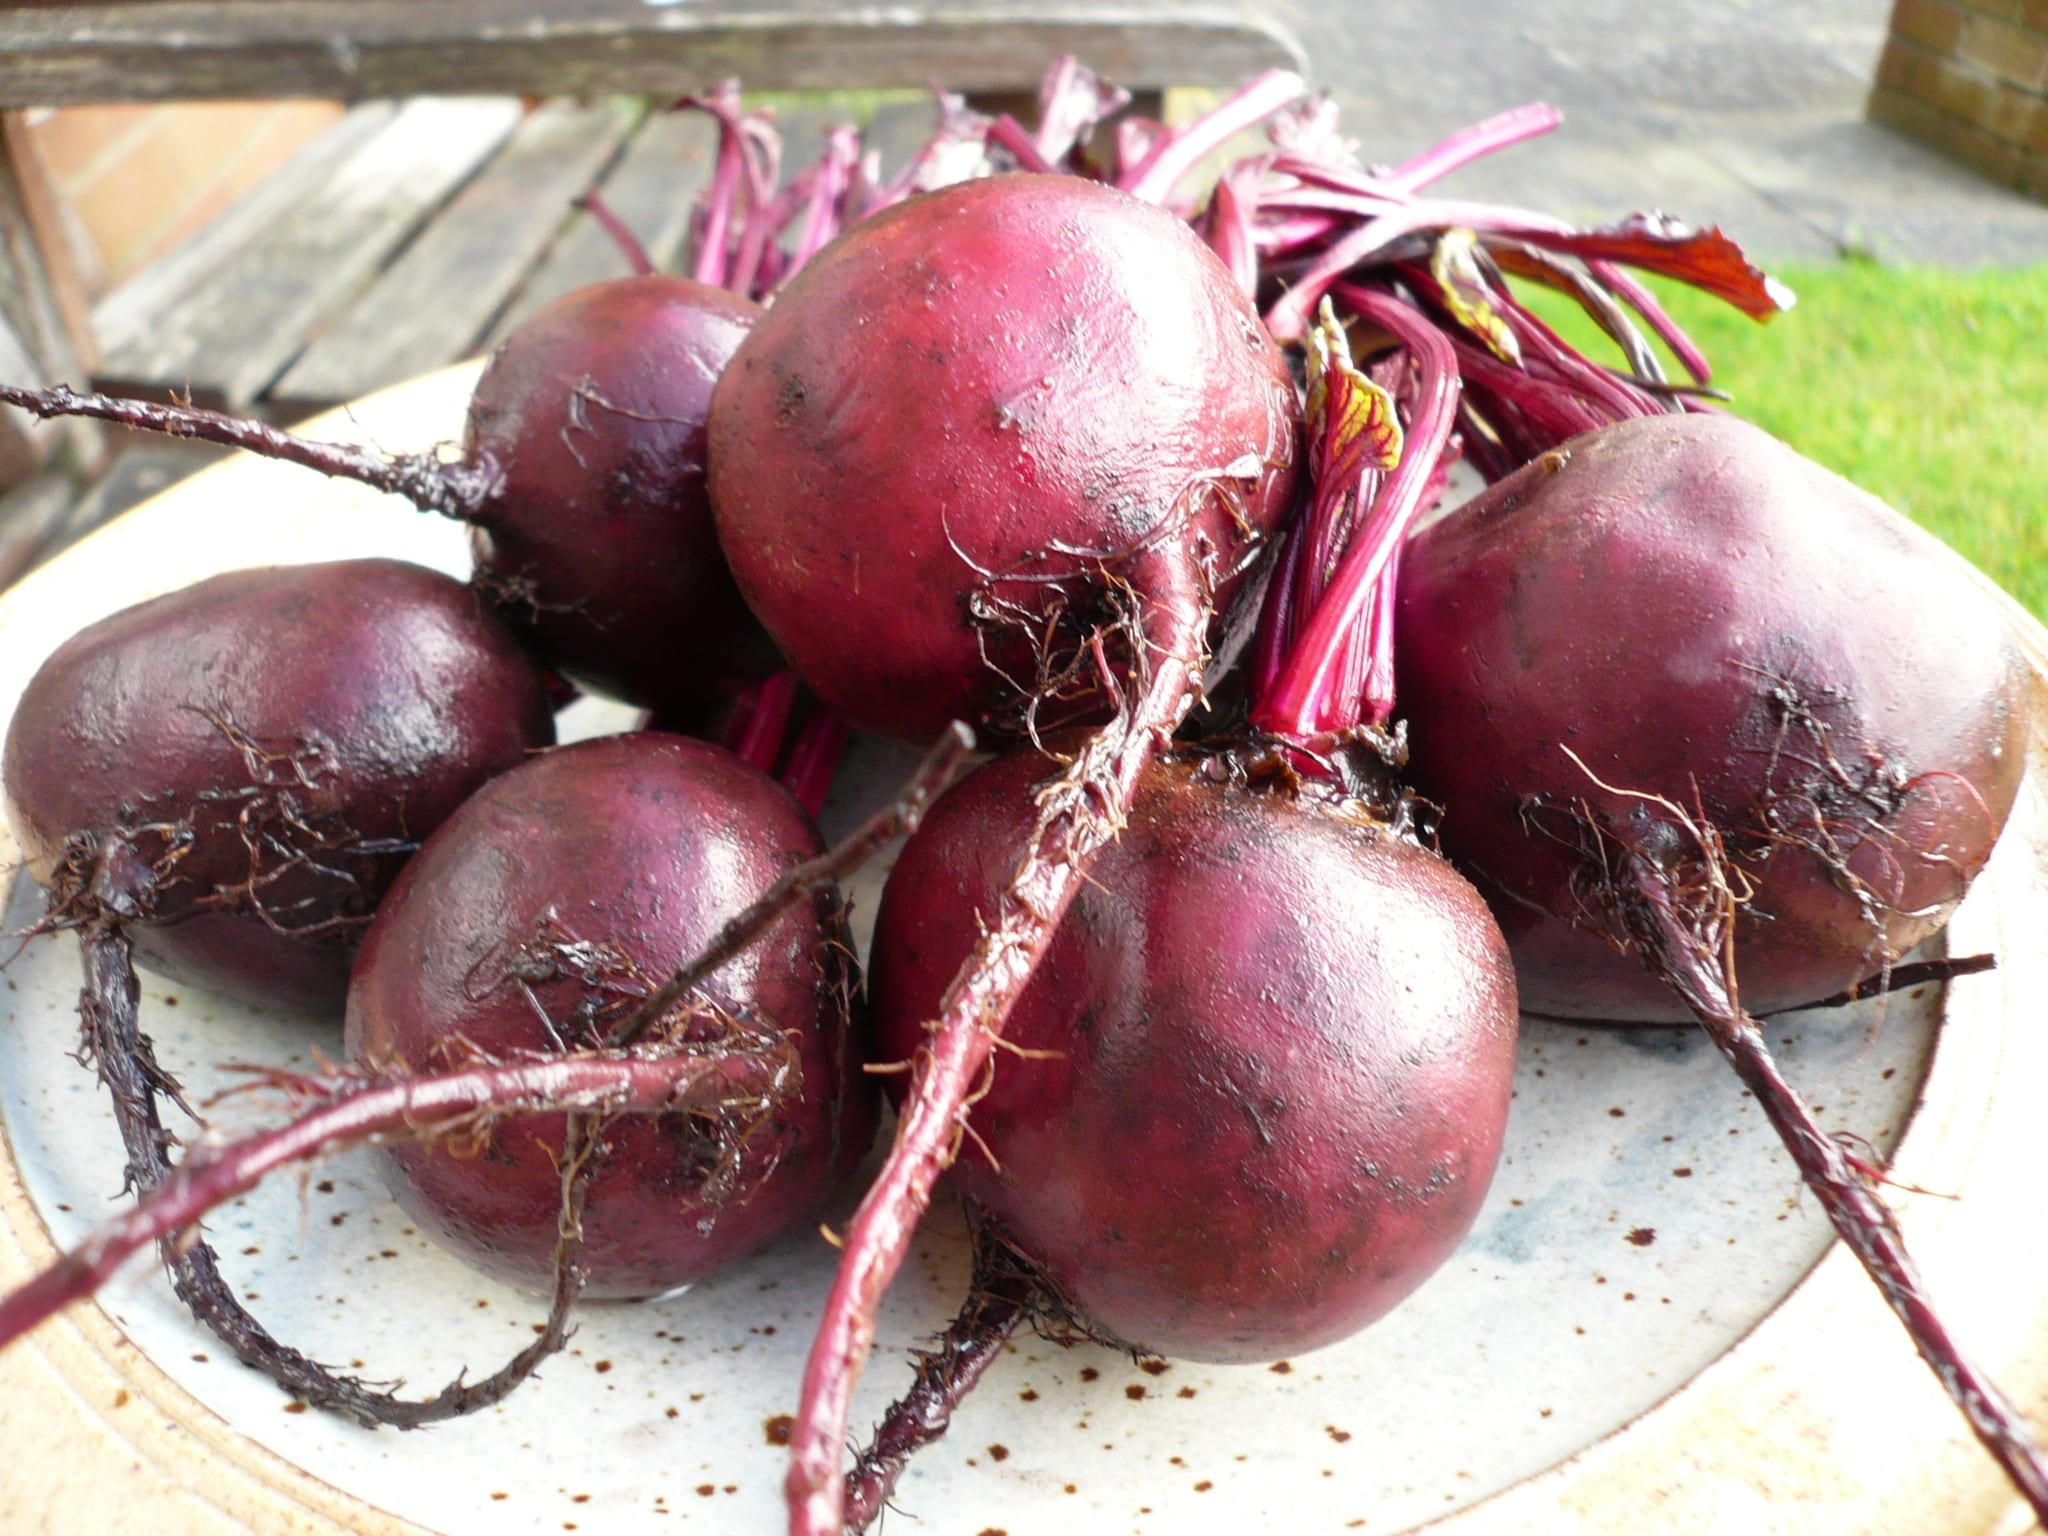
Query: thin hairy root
{"x": 1080, "y": 808}
{"x": 1899, "y": 978}
{"x": 1682, "y": 929}
{"x": 459, "y": 490}
{"x": 805, "y": 879}
{"x": 355, "y": 1110}
{"x": 1001, "y": 1296}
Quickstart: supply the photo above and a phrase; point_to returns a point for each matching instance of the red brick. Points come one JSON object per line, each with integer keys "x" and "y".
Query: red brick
{"x": 1934, "y": 24}
{"x": 2009, "y": 52}
{"x": 1895, "y": 66}
{"x": 1963, "y": 92}
{"x": 1971, "y": 145}
{"x": 2018, "y": 117}
{"x": 2033, "y": 177}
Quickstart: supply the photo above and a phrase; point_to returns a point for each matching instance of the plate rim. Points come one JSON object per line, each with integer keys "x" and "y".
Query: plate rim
{"x": 104, "y": 1440}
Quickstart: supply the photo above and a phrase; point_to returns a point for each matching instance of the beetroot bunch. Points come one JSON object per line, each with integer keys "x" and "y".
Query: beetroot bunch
{"x": 1202, "y": 993}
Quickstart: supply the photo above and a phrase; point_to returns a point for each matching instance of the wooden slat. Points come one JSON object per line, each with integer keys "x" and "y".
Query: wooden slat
{"x": 29, "y": 515}
{"x": 432, "y": 305}
{"x": 651, "y": 189}
{"x": 125, "y": 316}
{"x": 35, "y": 345}
{"x": 150, "y": 50}
{"x": 899, "y": 130}
{"x": 43, "y": 205}
{"x": 228, "y": 340}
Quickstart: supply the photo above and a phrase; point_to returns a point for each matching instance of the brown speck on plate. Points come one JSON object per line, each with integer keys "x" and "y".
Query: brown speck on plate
{"x": 1281, "y": 1367}
{"x": 999, "y": 1453}
{"x": 1642, "y": 1237}
{"x": 780, "y": 1428}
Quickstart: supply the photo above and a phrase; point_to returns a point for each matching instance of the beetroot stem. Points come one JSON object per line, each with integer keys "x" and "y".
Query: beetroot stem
{"x": 1473, "y": 143}
{"x": 637, "y": 259}
{"x": 459, "y": 490}
{"x": 1176, "y": 154}
{"x": 1078, "y": 810}
{"x": 413, "y": 1105}
{"x": 1698, "y": 969}
{"x": 815, "y": 758}
{"x": 1302, "y": 698}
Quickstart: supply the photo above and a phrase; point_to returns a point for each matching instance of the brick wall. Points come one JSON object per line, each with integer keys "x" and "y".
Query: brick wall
{"x": 1971, "y": 78}
{"x": 136, "y": 180}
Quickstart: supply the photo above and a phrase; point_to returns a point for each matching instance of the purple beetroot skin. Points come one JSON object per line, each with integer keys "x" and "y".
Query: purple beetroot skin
{"x": 246, "y": 763}
{"x": 534, "y": 921}
{"x": 1701, "y": 614}
{"x": 963, "y": 409}
{"x": 1279, "y": 1047}
{"x": 597, "y": 535}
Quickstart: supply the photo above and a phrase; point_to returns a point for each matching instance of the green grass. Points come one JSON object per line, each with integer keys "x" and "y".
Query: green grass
{"x": 1927, "y": 386}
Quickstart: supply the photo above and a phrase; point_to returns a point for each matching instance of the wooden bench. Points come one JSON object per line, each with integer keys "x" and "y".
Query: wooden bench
{"x": 437, "y": 213}
{"x": 161, "y": 50}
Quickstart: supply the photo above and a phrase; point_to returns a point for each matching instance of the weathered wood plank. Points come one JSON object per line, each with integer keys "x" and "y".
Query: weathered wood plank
{"x": 431, "y": 306}
{"x": 899, "y": 130}
{"x": 123, "y": 319}
{"x": 651, "y": 189}
{"x": 44, "y": 206}
{"x": 347, "y": 49}
{"x": 230, "y": 338}
{"x": 29, "y": 515}
{"x": 35, "y": 345}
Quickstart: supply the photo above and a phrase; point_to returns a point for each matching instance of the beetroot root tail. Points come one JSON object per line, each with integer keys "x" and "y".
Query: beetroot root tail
{"x": 127, "y": 1064}
{"x": 458, "y": 490}
{"x": 1696, "y": 962}
{"x": 351, "y": 1112}
{"x": 1080, "y": 808}
{"x": 1001, "y": 1298}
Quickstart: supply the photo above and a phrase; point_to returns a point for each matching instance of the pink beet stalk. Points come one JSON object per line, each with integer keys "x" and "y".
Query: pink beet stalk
{"x": 815, "y": 759}
{"x": 629, "y": 245}
{"x": 1473, "y": 143}
{"x": 1173, "y": 155}
{"x": 1308, "y": 695}
{"x": 354, "y": 1112}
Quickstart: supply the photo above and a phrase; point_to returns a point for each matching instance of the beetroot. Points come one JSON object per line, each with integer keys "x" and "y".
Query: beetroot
{"x": 1022, "y": 436}
{"x": 225, "y": 780}
{"x": 1683, "y": 693}
{"x": 1261, "y": 1077}
{"x": 596, "y": 531}
{"x": 1696, "y": 612}
{"x": 537, "y": 920}
{"x": 582, "y": 471}
{"x": 236, "y": 771}
{"x": 960, "y": 413}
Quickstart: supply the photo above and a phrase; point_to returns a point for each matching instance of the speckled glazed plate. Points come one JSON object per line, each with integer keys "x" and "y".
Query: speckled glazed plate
{"x": 1648, "y": 1330}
